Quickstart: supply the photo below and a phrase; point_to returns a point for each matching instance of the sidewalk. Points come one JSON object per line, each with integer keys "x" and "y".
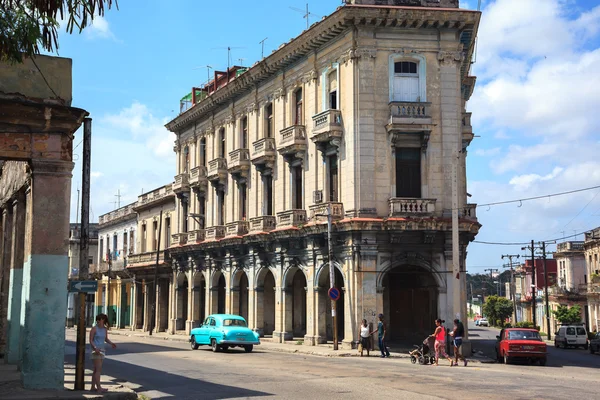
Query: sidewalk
{"x": 11, "y": 388}
{"x": 267, "y": 344}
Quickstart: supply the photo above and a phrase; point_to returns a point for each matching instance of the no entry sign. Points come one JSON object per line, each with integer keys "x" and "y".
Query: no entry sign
{"x": 334, "y": 294}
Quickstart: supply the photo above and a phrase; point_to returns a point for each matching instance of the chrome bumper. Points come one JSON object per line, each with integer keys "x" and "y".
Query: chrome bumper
{"x": 240, "y": 342}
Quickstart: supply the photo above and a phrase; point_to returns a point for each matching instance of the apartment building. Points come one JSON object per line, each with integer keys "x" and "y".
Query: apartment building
{"x": 591, "y": 247}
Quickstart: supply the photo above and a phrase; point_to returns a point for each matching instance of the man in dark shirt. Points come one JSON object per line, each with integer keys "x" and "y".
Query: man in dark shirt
{"x": 457, "y": 334}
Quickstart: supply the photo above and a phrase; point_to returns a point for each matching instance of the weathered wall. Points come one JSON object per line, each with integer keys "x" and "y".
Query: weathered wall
{"x": 25, "y": 79}
{"x": 13, "y": 175}
{"x": 417, "y": 3}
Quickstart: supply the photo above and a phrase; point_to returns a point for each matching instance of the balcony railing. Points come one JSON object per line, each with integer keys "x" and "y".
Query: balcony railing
{"x": 181, "y": 183}
{"x": 570, "y": 246}
{"x": 117, "y": 215}
{"x": 217, "y": 170}
{"x": 467, "y": 128}
{"x": 145, "y": 258}
{"x": 179, "y": 239}
{"x": 409, "y": 110}
{"x": 327, "y": 126}
{"x": 470, "y": 211}
{"x": 292, "y": 140}
{"x": 195, "y": 236}
{"x": 291, "y": 218}
{"x": 319, "y": 211}
{"x": 198, "y": 178}
{"x": 215, "y": 232}
{"x": 156, "y": 195}
{"x": 239, "y": 161}
{"x": 237, "y": 228}
{"x": 263, "y": 151}
{"x": 266, "y": 223}
{"x": 401, "y": 207}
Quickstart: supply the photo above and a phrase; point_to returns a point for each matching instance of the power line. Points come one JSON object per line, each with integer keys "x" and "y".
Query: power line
{"x": 528, "y": 243}
{"x": 579, "y": 213}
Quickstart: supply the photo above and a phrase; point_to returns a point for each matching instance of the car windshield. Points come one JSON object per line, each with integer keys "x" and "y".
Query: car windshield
{"x": 580, "y": 331}
{"x": 234, "y": 322}
{"x": 523, "y": 335}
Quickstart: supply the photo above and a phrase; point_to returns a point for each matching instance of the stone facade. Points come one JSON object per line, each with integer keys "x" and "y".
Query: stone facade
{"x": 591, "y": 248}
{"x": 363, "y": 115}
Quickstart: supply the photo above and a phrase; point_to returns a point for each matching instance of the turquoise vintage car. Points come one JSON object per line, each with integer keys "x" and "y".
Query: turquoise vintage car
{"x": 222, "y": 331}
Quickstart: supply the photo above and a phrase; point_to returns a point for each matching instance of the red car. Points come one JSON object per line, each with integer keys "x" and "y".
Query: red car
{"x": 520, "y": 343}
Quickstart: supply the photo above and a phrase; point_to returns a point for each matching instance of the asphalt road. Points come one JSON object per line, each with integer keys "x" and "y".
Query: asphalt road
{"x": 165, "y": 369}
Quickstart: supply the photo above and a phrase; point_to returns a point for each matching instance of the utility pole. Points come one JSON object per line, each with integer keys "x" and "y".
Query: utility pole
{"x": 331, "y": 278}
{"x": 83, "y": 251}
{"x": 153, "y": 319}
{"x": 512, "y": 283}
{"x": 546, "y": 290}
{"x": 533, "y": 285}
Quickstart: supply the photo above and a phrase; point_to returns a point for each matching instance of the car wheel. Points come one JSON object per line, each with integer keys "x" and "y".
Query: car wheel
{"x": 432, "y": 360}
{"x": 542, "y": 361}
{"x": 248, "y": 348}
{"x": 224, "y": 348}
{"x": 214, "y": 345}
{"x": 193, "y": 343}
{"x": 506, "y": 359}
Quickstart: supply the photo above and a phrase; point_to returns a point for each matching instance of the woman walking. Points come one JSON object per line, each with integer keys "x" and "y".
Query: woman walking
{"x": 365, "y": 337}
{"x": 440, "y": 342}
{"x": 99, "y": 336}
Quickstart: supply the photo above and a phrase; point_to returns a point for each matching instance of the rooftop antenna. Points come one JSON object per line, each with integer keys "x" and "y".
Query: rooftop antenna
{"x": 306, "y": 15}
{"x": 241, "y": 60}
{"x": 208, "y": 68}
{"x": 118, "y": 196}
{"x": 262, "y": 51}
{"x": 229, "y": 48}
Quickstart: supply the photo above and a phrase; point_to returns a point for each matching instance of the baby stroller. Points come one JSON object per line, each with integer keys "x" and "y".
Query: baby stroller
{"x": 424, "y": 353}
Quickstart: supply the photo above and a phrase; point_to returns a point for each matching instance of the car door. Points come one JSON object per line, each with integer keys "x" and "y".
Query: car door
{"x": 210, "y": 332}
{"x": 571, "y": 335}
{"x": 580, "y": 335}
{"x": 202, "y": 336}
{"x": 499, "y": 344}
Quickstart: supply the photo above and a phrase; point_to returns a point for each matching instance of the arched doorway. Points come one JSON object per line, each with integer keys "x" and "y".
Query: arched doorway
{"x": 410, "y": 302}
{"x": 324, "y": 304}
{"x": 240, "y": 294}
{"x": 221, "y": 295}
{"x": 182, "y": 300}
{"x": 295, "y": 303}
{"x": 217, "y": 293}
{"x": 265, "y": 302}
{"x": 199, "y": 299}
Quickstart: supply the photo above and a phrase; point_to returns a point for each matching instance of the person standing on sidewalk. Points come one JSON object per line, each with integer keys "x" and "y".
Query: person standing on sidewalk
{"x": 365, "y": 337}
{"x": 457, "y": 335}
{"x": 99, "y": 336}
{"x": 440, "y": 342}
{"x": 381, "y": 331}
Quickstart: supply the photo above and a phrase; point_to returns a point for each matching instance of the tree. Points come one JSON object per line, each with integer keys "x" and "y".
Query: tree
{"x": 504, "y": 309}
{"x": 28, "y": 25}
{"x": 489, "y": 308}
{"x": 566, "y": 315}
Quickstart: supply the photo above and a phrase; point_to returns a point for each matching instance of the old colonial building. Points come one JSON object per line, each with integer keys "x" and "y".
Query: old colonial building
{"x": 364, "y": 114}
{"x": 591, "y": 248}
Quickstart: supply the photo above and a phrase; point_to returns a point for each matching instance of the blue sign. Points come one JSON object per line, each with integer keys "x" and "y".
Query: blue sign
{"x": 83, "y": 286}
{"x": 334, "y": 294}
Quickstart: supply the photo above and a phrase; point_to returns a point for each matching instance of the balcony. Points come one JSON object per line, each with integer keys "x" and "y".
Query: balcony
{"x": 215, "y": 232}
{"x": 265, "y": 223}
{"x": 467, "y": 130}
{"x": 570, "y": 246}
{"x": 198, "y": 179}
{"x": 470, "y": 211}
{"x": 179, "y": 239}
{"x": 286, "y": 219}
{"x": 264, "y": 153}
{"x": 239, "y": 162}
{"x": 319, "y": 211}
{"x": 145, "y": 258}
{"x": 292, "y": 141}
{"x": 195, "y": 236}
{"x": 181, "y": 183}
{"x": 217, "y": 171}
{"x": 327, "y": 126}
{"x": 237, "y": 228}
{"x": 410, "y": 123}
{"x": 401, "y": 207}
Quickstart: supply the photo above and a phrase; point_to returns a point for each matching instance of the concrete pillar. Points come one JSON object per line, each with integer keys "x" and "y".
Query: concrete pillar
{"x": 45, "y": 270}
{"x": 119, "y": 302}
{"x": 5, "y": 260}
{"x": 16, "y": 281}
{"x": 133, "y": 302}
{"x": 189, "y": 323}
{"x": 278, "y": 335}
{"x": 147, "y": 306}
{"x": 287, "y": 323}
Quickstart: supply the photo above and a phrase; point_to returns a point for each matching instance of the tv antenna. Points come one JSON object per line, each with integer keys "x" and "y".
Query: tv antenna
{"x": 229, "y": 48}
{"x": 307, "y": 14}
{"x": 262, "y": 51}
{"x": 208, "y": 68}
{"x": 118, "y": 196}
{"x": 241, "y": 60}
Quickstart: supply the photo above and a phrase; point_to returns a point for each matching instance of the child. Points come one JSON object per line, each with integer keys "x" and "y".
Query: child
{"x": 98, "y": 336}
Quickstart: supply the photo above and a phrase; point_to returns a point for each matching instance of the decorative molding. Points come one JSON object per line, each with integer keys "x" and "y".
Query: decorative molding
{"x": 450, "y": 58}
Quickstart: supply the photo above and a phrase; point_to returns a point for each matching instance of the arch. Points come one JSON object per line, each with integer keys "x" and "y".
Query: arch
{"x": 240, "y": 293}
{"x": 325, "y": 325}
{"x": 289, "y": 273}
{"x": 199, "y": 297}
{"x": 421, "y": 70}
{"x": 265, "y": 300}
{"x": 294, "y": 286}
{"x": 325, "y": 267}
{"x": 182, "y": 300}
{"x": 389, "y": 265}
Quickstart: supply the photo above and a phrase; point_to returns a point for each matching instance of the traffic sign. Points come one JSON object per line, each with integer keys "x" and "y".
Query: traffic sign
{"x": 334, "y": 294}
{"x": 83, "y": 286}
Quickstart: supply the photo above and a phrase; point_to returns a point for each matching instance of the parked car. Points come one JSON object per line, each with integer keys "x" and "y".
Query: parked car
{"x": 571, "y": 335}
{"x": 483, "y": 322}
{"x": 224, "y": 331}
{"x": 523, "y": 343}
{"x": 595, "y": 344}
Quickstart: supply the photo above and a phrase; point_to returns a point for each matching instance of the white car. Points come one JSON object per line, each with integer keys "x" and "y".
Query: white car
{"x": 483, "y": 322}
{"x": 571, "y": 335}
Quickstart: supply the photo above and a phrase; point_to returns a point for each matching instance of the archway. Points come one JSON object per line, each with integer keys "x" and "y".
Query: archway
{"x": 295, "y": 303}
{"x": 239, "y": 299}
{"x": 324, "y": 304}
{"x": 221, "y": 295}
{"x": 199, "y": 298}
{"x": 182, "y": 300}
{"x": 265, "y": 302}
{"x": 410, "y": 302}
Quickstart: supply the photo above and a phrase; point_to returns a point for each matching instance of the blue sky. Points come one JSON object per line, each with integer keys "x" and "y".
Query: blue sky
{"x": 535, "y": 105}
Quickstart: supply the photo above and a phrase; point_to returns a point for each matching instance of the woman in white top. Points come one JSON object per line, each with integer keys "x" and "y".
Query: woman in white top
{"x": 364, "y": 337}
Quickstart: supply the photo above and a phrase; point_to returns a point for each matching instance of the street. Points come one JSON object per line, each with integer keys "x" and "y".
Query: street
{"x": 168, "y": 369}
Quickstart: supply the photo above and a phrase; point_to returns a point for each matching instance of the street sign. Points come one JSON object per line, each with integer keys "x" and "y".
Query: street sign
{"x": 334, "y": 294}
{"x": 83, "y": 286}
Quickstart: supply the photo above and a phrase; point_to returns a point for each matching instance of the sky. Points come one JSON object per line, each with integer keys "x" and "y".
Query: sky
{"x": 535, "y": 106}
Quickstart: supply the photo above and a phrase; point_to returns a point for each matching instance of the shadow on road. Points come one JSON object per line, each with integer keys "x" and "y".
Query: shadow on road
{"x": 135, "y": 346}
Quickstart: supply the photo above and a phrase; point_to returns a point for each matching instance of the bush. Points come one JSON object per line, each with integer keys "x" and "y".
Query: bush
{"x": 524, "y": 324}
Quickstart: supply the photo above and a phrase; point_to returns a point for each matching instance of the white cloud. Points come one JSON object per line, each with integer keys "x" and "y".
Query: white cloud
{"x": 488, "y": 152}
{"x": 99, "y": 28}
{"x": 522, "y": 182}
{"x": 96, "y": 174}
{"x": 519, "y": 157}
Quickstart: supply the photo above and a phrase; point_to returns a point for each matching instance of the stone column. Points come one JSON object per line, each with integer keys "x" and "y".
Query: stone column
{"x": 5, "y": 260}
{"x": 119, "y": 303}
{"x": 310, "y": 339}
{"x": 288, "y": 305}
{"x": 279, "y": 319}
{"x": 16, "y": 281}
{"x": 173, "y": 303}
{"x": 43, "y": 305}
{"x": 147, "y": 290}
{"x": 133, "y": 302}
{"x": 189, "y": 323}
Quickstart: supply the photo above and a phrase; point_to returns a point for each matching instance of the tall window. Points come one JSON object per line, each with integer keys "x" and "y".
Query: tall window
{"x": 154, "y": 235}
{"x": 186, "y": 159}
{"x": 243, "y": 189}
{"x": 184, "y": 209}
{"x": 222, "y": 143}
{"x": 297, "y": 203}
{"x": 114, "y": 248}
{"x": 167, "y": 232}
{"x": 408, "y": 172}
{"x": 269, "y": 120}
{"x": 333, "y": 177}
{"x": 144, "y": 238}
{"x": 202, "y": 203}
{"x": 406, "y": 81}
{"x": 220, "y": 207}
{"x": 124, "y": 243}
{"x": 101, "y": 249}
{"x": 131, "y": 242}
{"x": 333, "y": 90}
{"x": 203, "y": 152}
{"x": 268, "y": 195}
{"x": 244, "y": 134}
{"x": 298, "y": 115}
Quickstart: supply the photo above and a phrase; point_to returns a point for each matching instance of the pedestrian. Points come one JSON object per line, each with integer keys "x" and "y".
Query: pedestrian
{"x": 365, "y": 336}
{"x": 381, "y": 332}
{"x": 99, "y": 336}
{"x": 440, "y": 342}
{"x": 457, "y": 334}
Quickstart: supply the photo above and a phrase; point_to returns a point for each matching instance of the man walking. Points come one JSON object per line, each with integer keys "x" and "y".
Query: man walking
{"x": 457, "y": 335}
{"x": 381, "y": 331}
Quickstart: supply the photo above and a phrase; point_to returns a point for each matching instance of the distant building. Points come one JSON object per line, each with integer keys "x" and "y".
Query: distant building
{"x": 591, "y": 249}
{"x": 525, "y": 290}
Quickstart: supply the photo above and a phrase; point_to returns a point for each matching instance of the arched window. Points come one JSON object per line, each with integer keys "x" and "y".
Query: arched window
{"x": 298, "y": 112}
{"x": 269, "y": 120}
{"x": 407, "y": 78}
{"x": 222, "y": 143}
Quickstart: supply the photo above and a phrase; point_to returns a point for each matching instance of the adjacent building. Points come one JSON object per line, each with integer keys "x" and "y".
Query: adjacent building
{"x": 591, "y": 247}
{"x": 362, "y": 117}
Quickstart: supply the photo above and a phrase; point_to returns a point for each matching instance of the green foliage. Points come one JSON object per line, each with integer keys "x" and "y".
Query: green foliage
{"x": 28, "y": 25}
{"x": 566, "y": 315}
{"x": 497, "y": 309}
